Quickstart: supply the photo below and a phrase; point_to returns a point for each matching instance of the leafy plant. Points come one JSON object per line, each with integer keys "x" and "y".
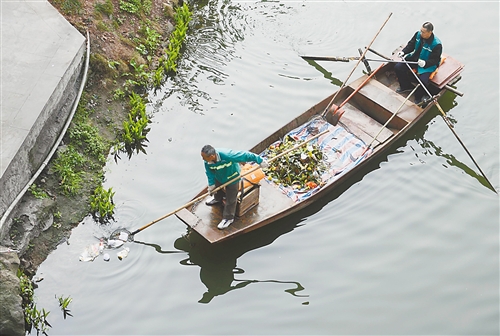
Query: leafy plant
{"x": 101, "y": 204}
{"x": 118, "y": 94}
{"x": 37, "y": 192}
{"x": 130, "y": 6}
{"x": 64, "y": 303}
{"x": 66, "y": 165}
{"x": 87, "y": 137}
{"x": 182, "y": 18}
{"x": 33, "y": 317}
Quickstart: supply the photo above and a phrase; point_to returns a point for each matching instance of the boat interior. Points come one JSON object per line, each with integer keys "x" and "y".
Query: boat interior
{"x": 365, "y": 114}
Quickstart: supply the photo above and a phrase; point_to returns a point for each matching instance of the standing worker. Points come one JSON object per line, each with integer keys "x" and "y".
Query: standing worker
{"x": 424, "y": 48}
{"x": 221, "y": 166}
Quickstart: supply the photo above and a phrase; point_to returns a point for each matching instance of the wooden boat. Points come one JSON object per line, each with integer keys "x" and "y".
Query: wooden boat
{"x": 374, "y": 117}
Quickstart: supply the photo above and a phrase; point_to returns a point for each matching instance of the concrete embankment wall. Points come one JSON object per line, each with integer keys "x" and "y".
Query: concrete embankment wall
{"x": 42, "y": 62}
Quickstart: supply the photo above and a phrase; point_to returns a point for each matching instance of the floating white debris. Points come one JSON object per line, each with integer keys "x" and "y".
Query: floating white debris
{"x": 91, "y": 252}
{"x": 123, "y": 253}
{"x": 114, "y": 243}
{"x": 106, "y": 257}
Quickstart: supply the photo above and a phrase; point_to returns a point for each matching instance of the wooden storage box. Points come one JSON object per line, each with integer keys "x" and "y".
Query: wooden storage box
{"x": 248, "y": 201}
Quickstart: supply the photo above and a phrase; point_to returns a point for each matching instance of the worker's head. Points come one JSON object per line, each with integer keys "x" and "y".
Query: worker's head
{"x": 208, "y": 153}
{"x": 426, "y": 30}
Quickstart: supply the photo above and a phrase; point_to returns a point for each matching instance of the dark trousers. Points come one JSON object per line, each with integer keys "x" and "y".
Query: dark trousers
{"x": 405, "y": 77}
{"x": 231, "y": 199}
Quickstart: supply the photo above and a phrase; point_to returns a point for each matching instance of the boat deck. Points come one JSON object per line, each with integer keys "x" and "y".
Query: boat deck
{"x": 204, "y": 219}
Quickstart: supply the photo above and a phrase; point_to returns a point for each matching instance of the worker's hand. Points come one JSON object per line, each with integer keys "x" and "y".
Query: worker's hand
{"x": 421, "y": 63}
{"x": 401, "y": 54}
{"x": 264, "y": 164}
{"x": 211, "y": 189}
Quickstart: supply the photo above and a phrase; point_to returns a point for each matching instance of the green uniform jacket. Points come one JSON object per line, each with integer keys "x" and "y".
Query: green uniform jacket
{"x": 227, "y": 166}
{"x": 428, "y": 50}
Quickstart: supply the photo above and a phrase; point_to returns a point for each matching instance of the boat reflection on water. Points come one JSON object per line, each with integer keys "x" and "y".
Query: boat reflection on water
{"x": 218, "y": 262}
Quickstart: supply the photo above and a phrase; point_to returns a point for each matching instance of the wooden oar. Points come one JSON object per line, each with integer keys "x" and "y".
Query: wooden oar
{"x": 347, "y": 59}
{"x": 199, "y": 198}
{"x": 358, "y": 88}
{"x": 352, "y": 71}
{"x": 450, "y": 126}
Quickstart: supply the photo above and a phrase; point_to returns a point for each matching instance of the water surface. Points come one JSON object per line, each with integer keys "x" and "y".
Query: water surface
{"x": 409, "y": 248}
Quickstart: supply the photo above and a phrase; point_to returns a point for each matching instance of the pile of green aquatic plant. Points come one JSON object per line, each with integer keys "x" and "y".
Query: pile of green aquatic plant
{"x": 301, "y": 168}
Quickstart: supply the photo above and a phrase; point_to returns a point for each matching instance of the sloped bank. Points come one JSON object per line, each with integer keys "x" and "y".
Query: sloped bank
{"x": 45, "y": 215}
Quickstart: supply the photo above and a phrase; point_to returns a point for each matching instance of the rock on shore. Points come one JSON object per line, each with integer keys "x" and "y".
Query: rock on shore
{"x": 11, "y": 312}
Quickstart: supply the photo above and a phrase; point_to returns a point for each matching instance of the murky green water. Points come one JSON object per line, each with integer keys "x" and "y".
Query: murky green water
{"x": 410, "y": 248}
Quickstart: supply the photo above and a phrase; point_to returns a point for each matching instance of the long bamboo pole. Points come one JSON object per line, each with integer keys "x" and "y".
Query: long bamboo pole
{"x": 450, "y": 126}
{"x": 357, "y": 63}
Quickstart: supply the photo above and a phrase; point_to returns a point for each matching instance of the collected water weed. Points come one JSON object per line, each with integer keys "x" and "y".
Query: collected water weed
{"x": 102, "y": 205}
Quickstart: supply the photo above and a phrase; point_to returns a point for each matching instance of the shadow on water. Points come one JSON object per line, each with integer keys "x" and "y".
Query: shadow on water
{"x": 447, "y": 102}
{"x": 328, "y": 75}
{"x": 218, "y": 262}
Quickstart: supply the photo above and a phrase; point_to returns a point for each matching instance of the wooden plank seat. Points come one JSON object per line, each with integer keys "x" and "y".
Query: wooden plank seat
{"x": 364, "y": 127}
{"x": 381, "y": 102}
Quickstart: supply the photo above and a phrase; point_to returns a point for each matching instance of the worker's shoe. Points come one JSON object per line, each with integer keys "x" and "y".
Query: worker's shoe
{"x": 213, "y": 201}
{"x": 225, "y": 223}
{"x": 423, "y": 101}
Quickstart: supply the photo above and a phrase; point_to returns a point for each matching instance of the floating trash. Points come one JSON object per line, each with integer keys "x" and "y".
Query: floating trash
{"x": 91, "y": 252}
{"x": 106, "y": 257}
{"x": 114, "y": 243}
{"x": 123, "y": 253}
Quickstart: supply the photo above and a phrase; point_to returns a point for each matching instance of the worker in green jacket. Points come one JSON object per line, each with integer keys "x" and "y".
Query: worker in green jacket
{"x": 425, "y": 48}
{"x": 221, "y": 166}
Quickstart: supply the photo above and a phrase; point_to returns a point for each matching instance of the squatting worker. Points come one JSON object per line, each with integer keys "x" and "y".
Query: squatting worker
{"x": 221, "y": 166}
{"x": 424, "y": 48}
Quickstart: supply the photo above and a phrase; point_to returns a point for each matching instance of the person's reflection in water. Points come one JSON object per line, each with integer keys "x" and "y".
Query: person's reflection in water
{"x": 219, "y": 281}
{"x": 218, "y": 270}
